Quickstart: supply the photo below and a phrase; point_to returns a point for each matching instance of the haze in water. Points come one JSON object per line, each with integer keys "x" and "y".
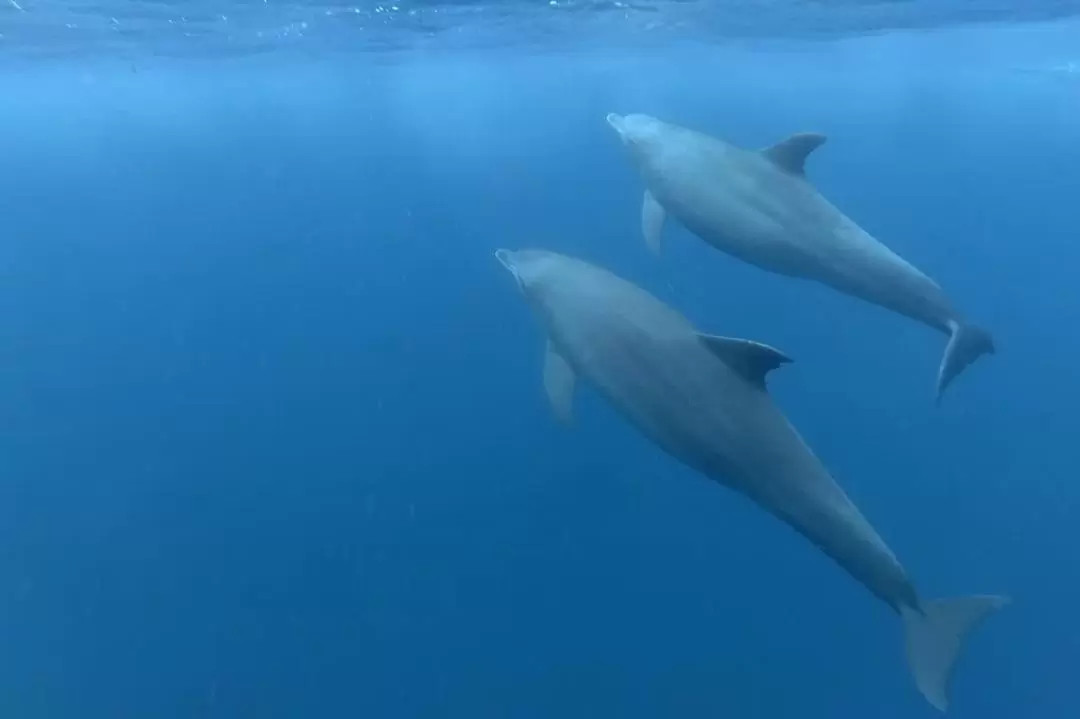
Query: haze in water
{"x": 274, "y": 435}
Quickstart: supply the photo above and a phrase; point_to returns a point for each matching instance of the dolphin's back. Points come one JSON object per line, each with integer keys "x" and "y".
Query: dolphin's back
{"x": 650, "y": 363}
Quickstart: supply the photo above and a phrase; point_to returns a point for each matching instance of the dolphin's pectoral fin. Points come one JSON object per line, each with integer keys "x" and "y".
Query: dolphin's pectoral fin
{"x": 752, "y": 360}
{"x": 652, "y": 222}
{"x": 559, "y": 381}
{"x": 790, "y": 154}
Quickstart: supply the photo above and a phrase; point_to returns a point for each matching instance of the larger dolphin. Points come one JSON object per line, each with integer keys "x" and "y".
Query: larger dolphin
{"x": 702, "y": 398}
{"x": 758, "y": 206}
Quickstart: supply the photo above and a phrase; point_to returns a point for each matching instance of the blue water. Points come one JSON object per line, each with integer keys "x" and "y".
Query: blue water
{"x": 273, "y": 439}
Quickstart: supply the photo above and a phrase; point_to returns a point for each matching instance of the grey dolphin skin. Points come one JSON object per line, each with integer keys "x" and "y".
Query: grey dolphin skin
{"x": 702, "y": 398}
{"x": 758, "y": 206}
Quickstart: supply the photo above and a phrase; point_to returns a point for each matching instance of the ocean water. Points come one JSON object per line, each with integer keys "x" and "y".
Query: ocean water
{"x": 273, "y": 439}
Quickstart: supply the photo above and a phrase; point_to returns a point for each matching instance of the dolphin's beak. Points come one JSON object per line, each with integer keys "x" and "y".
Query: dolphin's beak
{"x": 503, "y": 256}
{"x": 506, "y": 258}
{"x": 616, "y": 122}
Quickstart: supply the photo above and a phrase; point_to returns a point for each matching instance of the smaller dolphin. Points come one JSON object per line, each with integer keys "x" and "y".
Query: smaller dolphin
{"x": 758, "y": 206}
{"x": 703, "y": 400}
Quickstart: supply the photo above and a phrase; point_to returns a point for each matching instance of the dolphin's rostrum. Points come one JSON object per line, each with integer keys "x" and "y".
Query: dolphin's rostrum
{"x": 759, "y": 206}
{"x": 702, "y": 398}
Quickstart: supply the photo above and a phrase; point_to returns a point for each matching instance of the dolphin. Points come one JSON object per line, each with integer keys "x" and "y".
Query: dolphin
{"x": 703, "y": 399}
{"x": 760, "y": 207}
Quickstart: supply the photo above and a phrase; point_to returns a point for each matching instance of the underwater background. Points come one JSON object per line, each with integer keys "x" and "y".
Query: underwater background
{"x": 273, "y": 439}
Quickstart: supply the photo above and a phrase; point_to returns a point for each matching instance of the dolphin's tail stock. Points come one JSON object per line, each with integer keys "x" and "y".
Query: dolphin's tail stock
{"x": 966, "y": 344}
{"x": 935, "y": 634}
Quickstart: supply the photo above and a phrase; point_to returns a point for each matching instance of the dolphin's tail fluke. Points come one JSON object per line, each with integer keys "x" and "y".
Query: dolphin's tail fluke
{"x": 935, "y": 635}
{"x": 967, "y": 344}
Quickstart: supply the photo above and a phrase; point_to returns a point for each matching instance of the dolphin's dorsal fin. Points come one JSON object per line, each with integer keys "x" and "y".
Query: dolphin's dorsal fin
{"x": 790, "y": 154}
{"x": 750, "y": 359}
{"x": 559, "y": 381}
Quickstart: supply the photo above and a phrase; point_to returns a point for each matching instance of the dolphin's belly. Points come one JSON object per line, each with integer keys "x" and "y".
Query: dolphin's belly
{"x": 669, "y": 386}
{"x": 735, "y": 221}
{"x": 792, "y": 230}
